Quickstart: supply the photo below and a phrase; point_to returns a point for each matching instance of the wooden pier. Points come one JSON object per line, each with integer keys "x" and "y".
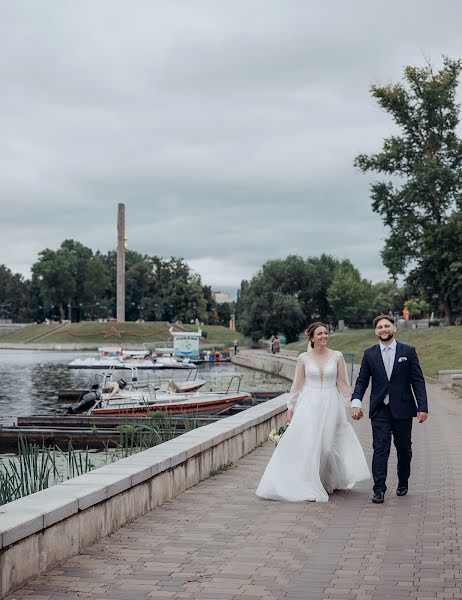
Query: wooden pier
{"x": 100, "y": 431}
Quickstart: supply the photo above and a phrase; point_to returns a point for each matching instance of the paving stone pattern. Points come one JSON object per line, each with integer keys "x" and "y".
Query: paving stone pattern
{"x": 218, "y": 541}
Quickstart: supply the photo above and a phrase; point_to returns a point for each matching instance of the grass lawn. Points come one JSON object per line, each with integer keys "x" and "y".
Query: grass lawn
{"x": 118, "y": 333}
{"x": 438, "y": 347}
{"x": 26, "y": 334}
{"x": 219, "y": 335}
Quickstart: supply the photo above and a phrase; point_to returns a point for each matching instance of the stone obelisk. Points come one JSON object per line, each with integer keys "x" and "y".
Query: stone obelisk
{"x": 121, "y": 263}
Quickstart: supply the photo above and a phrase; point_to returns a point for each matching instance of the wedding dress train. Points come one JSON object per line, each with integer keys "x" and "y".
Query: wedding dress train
{"x": 319, "y": 452}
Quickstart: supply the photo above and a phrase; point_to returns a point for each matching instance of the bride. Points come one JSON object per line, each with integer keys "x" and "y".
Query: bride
{"x": 319, "y": 452}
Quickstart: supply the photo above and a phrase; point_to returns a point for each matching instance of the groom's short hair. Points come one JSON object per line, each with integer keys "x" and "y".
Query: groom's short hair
{"x": 382, "y": 316}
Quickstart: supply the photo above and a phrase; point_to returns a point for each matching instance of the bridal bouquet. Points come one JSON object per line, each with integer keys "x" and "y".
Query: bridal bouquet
{"x": 276, "y": 434}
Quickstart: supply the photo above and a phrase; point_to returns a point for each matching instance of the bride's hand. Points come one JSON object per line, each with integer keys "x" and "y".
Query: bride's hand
{"x": 356, "y": 414}
{"x": 290, "y": 414}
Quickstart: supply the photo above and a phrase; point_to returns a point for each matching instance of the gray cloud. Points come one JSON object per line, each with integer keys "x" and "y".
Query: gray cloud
{"x": 228, "y": 129}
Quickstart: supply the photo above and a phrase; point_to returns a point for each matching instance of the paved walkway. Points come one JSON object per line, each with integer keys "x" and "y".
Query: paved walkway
{"x": 217, "y": 540}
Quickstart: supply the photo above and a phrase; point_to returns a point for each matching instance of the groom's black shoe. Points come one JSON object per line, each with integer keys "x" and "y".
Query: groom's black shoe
{"x": 378, "y": 497}
{"x": 401, "y": 490}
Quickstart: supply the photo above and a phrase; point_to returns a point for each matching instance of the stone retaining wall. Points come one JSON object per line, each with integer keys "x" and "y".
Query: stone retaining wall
{"x": 450, "y": 377}
{"x": 44, "y": 529}
{"x": 281, "y": 365}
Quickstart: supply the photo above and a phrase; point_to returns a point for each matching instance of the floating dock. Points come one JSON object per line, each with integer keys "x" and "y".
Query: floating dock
{"x": 102, "y": 431}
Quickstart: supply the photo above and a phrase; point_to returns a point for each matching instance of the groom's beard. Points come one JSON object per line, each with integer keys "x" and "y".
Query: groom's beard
{"x": 386, "y": 337}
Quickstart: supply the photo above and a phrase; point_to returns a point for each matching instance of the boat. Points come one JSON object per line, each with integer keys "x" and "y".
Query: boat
{"x": 171, "y": 362}
{"x": 173, "y": 403}
{"x": 105, "y": 383}
{"x": 113, "y": 401}
{"x": 212, "y": 357}
{"x": 117, "y": 358}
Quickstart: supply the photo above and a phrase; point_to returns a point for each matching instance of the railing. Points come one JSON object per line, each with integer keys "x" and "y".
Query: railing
{"x": 238, "y": 377}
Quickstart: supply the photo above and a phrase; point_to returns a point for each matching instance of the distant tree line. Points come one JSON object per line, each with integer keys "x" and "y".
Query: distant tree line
{"x": 284, "y": 296}
{"x": 287, "y": 294}
{"x": 75, "y": 282}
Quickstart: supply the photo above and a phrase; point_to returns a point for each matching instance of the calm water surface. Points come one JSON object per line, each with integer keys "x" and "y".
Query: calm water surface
{"x": 30, "y": 380}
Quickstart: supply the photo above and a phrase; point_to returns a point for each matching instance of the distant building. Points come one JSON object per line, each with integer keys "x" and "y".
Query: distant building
{"x": 221, "y": 297}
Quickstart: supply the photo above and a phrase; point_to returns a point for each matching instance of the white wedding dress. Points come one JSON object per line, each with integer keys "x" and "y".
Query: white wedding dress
{"x": 319, "y": 452}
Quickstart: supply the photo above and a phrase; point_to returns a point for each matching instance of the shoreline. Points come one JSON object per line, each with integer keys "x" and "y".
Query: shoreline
{"x": 68, "y": 347}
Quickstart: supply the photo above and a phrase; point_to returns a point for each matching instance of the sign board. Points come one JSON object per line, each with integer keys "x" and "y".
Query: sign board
{"x": 186, "y": 344}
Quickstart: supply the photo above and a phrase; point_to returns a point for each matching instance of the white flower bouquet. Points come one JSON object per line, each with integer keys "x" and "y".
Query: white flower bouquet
{"x": 276, "y": 434}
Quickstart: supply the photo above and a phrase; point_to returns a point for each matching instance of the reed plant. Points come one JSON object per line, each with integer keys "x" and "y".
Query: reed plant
{"x": 38, "y": 467}
{"x": 136, "y": 436}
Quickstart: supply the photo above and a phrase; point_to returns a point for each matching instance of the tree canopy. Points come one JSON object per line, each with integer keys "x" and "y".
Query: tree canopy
{"x": 75, "y": 282}
{"x": 422, "y": 194}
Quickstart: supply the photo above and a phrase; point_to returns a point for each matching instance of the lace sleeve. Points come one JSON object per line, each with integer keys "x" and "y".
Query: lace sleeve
{"x": 297, "y": 384}
{"x": 342, "y": 378}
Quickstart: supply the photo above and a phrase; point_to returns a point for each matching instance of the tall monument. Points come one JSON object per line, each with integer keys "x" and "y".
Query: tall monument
{"x": 121, "y": 262}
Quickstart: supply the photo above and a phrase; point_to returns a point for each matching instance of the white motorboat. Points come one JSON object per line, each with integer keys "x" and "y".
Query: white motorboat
{"x": 116, "y": 358}
{"x": 171, "y": 362}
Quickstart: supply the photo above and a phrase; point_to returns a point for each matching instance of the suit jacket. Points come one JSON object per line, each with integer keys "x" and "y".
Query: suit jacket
{"x": 405, "y": 389}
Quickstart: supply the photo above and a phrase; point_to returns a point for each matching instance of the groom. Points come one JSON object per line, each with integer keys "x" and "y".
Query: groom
{"x": 397, "y": 395}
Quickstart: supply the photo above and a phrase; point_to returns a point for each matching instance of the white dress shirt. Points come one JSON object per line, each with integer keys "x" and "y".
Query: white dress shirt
{"x": 356, "y": 403}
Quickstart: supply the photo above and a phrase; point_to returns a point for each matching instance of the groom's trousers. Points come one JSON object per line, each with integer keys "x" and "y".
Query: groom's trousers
{"x": 384, "y": 426}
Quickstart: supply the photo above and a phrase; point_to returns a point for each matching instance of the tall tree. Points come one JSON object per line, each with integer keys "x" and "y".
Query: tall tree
{"x": 285, "y": 296}
{"x": 424, "y": 169}
{"x": 387, "y": 297}
{"x": 14, "y": 296}
{"x": 437, "y": 271}
{"x": 349, "y": 295}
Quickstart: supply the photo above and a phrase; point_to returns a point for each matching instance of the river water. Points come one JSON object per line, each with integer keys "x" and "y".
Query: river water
{"x": 30, "y": 380}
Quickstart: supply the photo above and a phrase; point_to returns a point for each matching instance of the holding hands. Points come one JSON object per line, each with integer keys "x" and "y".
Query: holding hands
{"x": 357, "y": 413}
{"x": 422, "y": 417}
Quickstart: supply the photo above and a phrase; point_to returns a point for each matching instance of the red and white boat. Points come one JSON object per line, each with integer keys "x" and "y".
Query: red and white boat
{"x": 168, "y": 402}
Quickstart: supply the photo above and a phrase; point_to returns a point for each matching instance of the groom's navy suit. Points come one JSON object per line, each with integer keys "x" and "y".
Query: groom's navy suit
{"x": 406, "y": 395}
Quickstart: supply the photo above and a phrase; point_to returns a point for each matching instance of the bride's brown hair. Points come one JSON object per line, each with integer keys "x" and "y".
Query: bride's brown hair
{"x": 311, "y": 329}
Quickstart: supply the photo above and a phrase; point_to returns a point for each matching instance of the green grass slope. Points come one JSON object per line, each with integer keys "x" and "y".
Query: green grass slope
{"x": 438, "y": 348}
{"x": 117, "y": 333}
{"x": 26, "y": 334}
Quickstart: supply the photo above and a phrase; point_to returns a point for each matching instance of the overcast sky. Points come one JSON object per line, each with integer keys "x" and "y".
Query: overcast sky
{"x": 228, "y": 129}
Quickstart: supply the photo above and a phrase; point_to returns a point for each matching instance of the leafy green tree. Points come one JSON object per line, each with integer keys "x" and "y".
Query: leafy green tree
{"x": 224, "y": 312}
{"x": 15, "y": 300}
{"x": 178, "y": 291}
{"x": 423, "y": 166}
{"x": 349, "y": 295}
{"x": 418, "y": 309}
{"x": 440, "y": 271}
{"x": 95, "y": 289}
{"x": 387, "y": 297}
{"x": 55, "y": 277}
{"x": 285, "y": 296}
{"x": 314, "y": 297}
{"x": 139, "y": 282}
{"x": 69, "y": 281}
